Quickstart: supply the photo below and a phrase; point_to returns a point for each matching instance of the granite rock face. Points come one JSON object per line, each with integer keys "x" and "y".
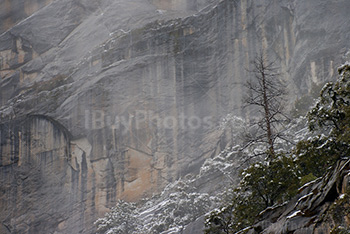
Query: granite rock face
{"x": 134, "y": 91}
{"x": 321, "y": 207}
{"x": 34, "y": 163}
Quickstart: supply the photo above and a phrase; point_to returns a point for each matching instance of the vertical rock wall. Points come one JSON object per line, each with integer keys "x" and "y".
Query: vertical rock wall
{"x": 36, "y": 179}
{"x": 134, "y": 98}
{"x": 13, "y": 11}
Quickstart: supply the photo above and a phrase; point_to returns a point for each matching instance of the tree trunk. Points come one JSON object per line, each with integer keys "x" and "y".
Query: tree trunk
{"x": 267, "y": 116}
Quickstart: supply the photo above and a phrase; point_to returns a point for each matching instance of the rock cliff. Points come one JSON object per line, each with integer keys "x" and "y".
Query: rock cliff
{"x": 322, "y": 206}
{"x": 106, "y": 100}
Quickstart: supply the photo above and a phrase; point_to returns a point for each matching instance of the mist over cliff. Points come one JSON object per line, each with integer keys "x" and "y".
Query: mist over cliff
{"x": 106, "y": 100}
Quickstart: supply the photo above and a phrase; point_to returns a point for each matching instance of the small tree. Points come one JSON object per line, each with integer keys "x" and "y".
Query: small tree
{"x": 263, "y": 185}
{"x": 331, "y": 117}
{"x": 269, "y": 183}
{"x": 266, "y": 92}
{"x": 332, "y": 111}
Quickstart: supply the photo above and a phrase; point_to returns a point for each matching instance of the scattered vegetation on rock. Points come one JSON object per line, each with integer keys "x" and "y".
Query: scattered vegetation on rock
{"x": 265, "y": 184}
{"x": 273, "y": 182}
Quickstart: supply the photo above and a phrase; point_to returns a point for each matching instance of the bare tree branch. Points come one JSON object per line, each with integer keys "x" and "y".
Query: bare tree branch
{"x": 266, "y": 92}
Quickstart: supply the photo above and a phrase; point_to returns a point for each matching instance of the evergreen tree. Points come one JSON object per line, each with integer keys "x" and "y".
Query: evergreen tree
{"x": 269, "y": 183}
{"x": 330, "y": 118}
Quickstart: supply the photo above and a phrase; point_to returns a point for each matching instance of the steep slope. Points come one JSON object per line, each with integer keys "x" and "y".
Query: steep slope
{"x": 139, "y": 87}
{"x": 322, "y": 206}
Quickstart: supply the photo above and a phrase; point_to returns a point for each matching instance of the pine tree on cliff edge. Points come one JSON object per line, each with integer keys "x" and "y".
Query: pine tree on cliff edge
{"x": 266, "y": 94}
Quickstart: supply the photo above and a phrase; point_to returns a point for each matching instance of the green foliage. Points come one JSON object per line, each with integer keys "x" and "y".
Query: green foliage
{"x": 263, "y": 185}
{"x": 267, "y": 184}
{"x": 331, "y": 116}
{"x": 240, "y": 213}
{"x": 271, "y": 183}
{"x": 333, "y": 109}
{"x": 307, "y": 178}
{"x": 317, "y": 155}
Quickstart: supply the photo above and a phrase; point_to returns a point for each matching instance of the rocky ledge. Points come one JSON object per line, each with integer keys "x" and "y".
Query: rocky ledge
{"x": 322, "y": 206}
